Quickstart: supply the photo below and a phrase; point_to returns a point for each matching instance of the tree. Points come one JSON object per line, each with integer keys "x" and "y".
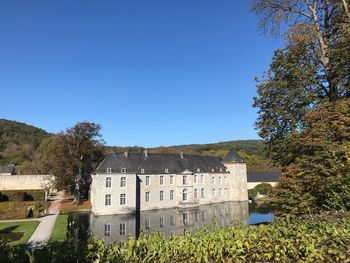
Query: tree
{"x": 72, "y": 156}
{"x": 311, "y": 74}
{"x": 320, "y": 168}
{"x": 314, "y": 65}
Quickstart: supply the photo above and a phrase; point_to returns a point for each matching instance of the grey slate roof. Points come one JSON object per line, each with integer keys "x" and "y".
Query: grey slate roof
{"x": 5, "y": 169}
{"x": 232, "y": 157}
{"x": 253, "y": 177}
{"x": 157, "y": 163}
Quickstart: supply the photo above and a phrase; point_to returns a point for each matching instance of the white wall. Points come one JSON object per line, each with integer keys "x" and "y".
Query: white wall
{"x": 25, "y": 182}
{"x": 251, "y": 185}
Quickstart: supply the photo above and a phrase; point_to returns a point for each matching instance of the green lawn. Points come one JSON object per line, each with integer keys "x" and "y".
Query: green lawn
{"x": 59, "y": 232}
{"x": 26, "y": 227}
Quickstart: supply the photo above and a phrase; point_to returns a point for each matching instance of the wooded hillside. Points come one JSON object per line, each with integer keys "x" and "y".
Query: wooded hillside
{"x": 19, "y": 143}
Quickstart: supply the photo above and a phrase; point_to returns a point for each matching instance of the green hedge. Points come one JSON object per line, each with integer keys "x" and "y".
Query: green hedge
{"x": 21, "y": 195}
{"x": 19, "y": 210}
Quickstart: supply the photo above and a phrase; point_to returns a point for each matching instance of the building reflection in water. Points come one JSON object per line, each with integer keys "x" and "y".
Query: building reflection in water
{"x": 174, "y": 221}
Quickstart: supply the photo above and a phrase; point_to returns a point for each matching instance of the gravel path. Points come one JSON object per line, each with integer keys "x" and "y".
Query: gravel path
{"x": 42, "y": 233}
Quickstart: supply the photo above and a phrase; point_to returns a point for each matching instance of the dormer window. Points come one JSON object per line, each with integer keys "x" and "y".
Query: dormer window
{"x": 142, "y": 171}
{"x": 123, "y": 170}
{"x": 220, "y": 170}
{"x": 198, "y": 170}
{"x": 166, "y": 170}
{"x": 212, "y": 170}
{"x": 109, "y": 170}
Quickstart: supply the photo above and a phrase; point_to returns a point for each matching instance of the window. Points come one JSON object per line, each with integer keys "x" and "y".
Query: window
{"x": 142, "y": 171}
{"x": 171, "y": 194}
{"x": 184, "y": 195}
{"x": 107, "y": 229}
{"x": 123, "y": 170}
{"x": 166, "y": 170}
{"x": 171, "y": 179}
{"x": 213, "y": 180}
{"x": 184, "y": 180}
{"x": 202, "y": 192}
{"x": 122, "y": 229}
{"x": 147, "y": 180}
{"x": 198, "y": 170}
{"x": 161, "y": 221}
{"x": 219, "y": 191}
{"x": 195, "y": 193}
{"x": 161, "y": 195}
{"x": 108, "y": 199}
{"x": 212, "y": 170}
{"x": 220, "y": 180}
{"x": 195, "y": 178}
{"x": 202, "y": 178}
{"x": 220, "y": 170}
{"x": 147, "y": 223}
{"x": 108, "y": 182}
{"x": 226, "y": 192}
{"x": 213, "y": 192}
{"x": 147, "y": 197}
{"x": 122, "y": 199}
{"x": 225, "y": 179}
{"x": 123, "y": 181}
{"x": 172, "y": 220}
{"x": 161, "y": 180}
{"x": 109, "y": 170}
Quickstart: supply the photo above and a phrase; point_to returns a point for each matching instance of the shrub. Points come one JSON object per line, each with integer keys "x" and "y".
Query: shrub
{"x": 262, "y": 188}
{"x": 18, "y": 210}
{"x": 22, "y": 195}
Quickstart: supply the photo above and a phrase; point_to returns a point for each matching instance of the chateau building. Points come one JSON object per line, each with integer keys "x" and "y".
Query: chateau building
{"x": 129, "y": 182}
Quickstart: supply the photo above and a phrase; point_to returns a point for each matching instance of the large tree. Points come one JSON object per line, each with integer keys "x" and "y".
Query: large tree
{"x": 313, "y": 69}
{"x": 313, "y": 66}
{"x": 72, "y": 156}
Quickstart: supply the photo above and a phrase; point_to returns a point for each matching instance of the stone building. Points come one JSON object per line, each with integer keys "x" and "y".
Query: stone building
{"x": 129, "y": 182}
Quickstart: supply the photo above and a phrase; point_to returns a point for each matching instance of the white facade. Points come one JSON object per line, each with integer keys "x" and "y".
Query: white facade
{"x": 110, "y": 195}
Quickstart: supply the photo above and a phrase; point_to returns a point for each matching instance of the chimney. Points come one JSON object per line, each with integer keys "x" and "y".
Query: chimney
{"x": 181, "y": 155}
{"x": 126, "y": 154}
{"x": 145, "y": 153}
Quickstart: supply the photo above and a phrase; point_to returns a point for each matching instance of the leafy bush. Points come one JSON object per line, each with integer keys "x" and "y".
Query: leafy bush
{"x": 285, "y": 240}
{"x": 262, "y": 188}
{"x": 322, "y": 238}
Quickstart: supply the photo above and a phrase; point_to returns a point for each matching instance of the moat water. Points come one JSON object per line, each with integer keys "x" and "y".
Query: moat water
{"x": 176, "y": 221}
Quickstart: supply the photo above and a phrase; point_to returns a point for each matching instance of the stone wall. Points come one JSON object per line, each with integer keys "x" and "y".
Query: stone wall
{"x": 25, "y": 182}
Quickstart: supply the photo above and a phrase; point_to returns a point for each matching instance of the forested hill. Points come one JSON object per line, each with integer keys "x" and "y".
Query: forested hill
{"x": 18, "y": 140}
{"x": 19, "y": 143}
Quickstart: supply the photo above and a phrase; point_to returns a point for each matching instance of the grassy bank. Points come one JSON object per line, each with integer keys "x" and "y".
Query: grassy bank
{"x": 59, "y": 232}
{"x": 25, "y": 227}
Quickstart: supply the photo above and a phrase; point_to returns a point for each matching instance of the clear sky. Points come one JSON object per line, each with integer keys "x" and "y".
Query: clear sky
{"x": 151, "y": 72}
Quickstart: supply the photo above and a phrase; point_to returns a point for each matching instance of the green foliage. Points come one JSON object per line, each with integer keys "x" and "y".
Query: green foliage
{"x": 285, "y": 240}
{"x": 18, "y": 142}
{"x": 318, "y": 177}
{"x": 322, "y": 238}
{"x": 19, "y": 209}
{"x": 263, "y": 188}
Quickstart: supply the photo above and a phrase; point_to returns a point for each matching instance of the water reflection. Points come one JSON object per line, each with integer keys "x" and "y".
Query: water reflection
{"x": 117, "y": 228}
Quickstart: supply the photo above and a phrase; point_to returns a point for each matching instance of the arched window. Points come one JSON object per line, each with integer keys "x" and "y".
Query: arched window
{"x": 184, "y": 195}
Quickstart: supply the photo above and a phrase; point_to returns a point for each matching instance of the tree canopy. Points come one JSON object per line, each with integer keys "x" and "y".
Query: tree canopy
{"x": 309, "y": 76}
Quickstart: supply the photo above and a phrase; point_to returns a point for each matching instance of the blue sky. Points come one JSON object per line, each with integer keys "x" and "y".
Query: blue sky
{"x": 155, "y": 72}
